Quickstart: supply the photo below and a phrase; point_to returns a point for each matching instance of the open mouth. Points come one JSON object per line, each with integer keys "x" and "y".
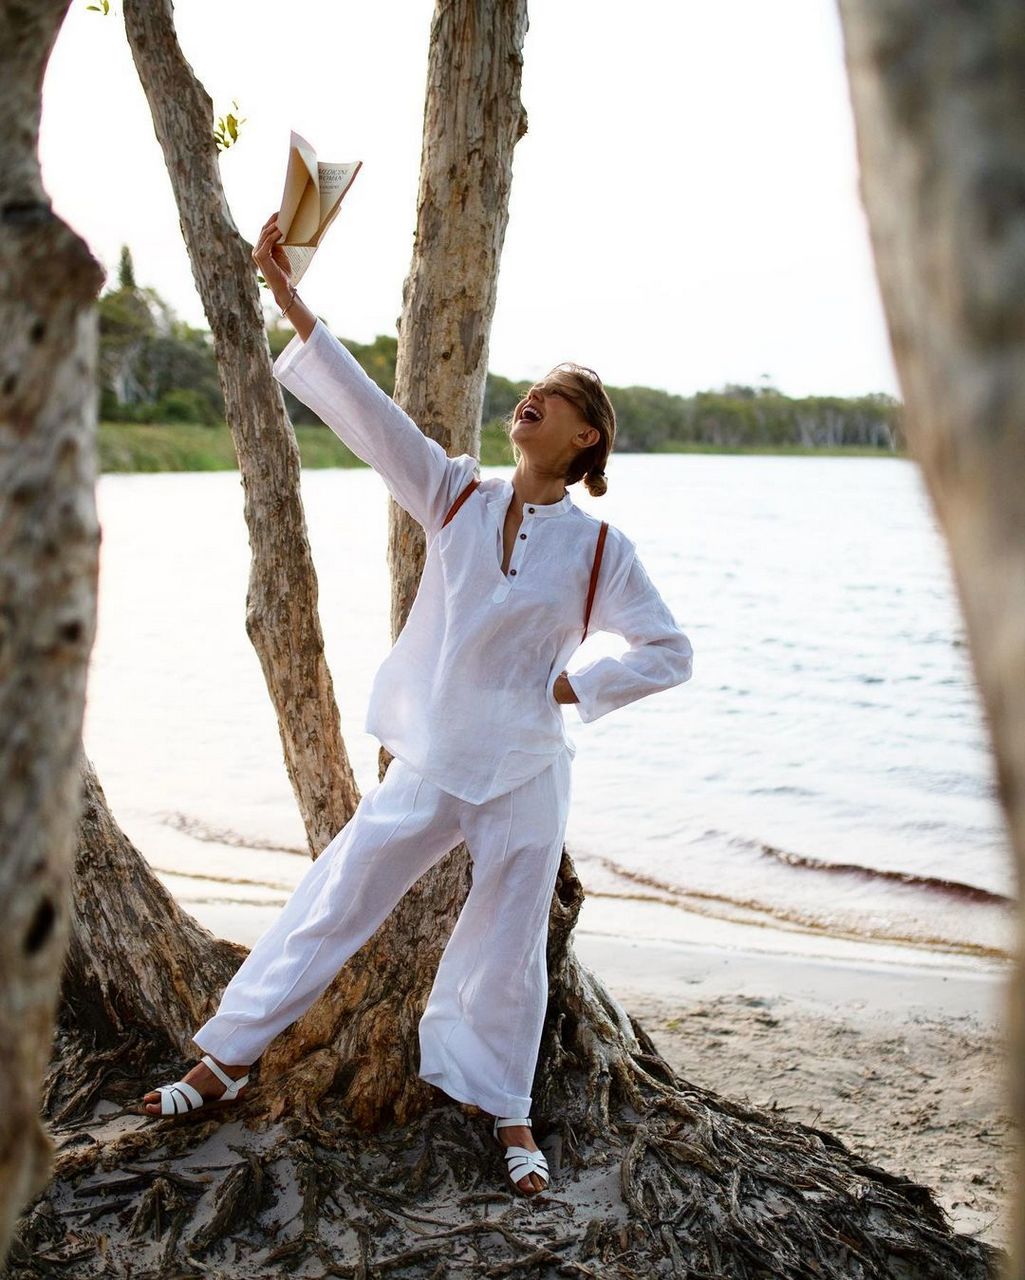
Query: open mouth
{"x": 530, "y": 414}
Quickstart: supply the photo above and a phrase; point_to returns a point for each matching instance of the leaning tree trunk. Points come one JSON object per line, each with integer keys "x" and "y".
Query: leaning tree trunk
{"x": 140, "y": 973}
{"x": 49, "y": 543}
{"x": 282, "y": 617}
{"x": 939, "y": 104}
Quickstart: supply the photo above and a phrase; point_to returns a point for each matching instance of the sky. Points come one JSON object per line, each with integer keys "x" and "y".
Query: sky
{"x": 684, "y": 210}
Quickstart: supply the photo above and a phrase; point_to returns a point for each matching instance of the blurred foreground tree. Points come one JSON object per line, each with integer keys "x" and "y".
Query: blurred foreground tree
{"x": 939, "y": 105}
{"x": 49, "y": 551}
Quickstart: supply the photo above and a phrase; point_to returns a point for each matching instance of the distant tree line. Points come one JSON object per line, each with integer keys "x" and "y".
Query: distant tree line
{"x": 156, "y": 368}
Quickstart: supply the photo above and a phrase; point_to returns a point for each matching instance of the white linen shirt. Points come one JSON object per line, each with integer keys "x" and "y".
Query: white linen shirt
{"x": 465, "y": 695}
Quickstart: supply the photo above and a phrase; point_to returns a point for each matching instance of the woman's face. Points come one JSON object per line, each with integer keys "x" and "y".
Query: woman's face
{"x": 548, "y": 425}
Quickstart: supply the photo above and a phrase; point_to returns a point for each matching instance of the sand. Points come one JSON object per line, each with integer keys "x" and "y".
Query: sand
{"x": 904, "y": 1062}
{"x": 897, "y": 1051}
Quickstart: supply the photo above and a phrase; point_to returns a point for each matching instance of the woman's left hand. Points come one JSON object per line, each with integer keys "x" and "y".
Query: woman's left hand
{"x": 562, "y": 690}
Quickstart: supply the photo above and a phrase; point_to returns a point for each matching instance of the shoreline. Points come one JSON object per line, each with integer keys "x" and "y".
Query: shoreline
{"x": 132, "y": 448}
{"x": 651, "y": 949}
{"x": 862, "y": 991}
{"x": 647, "y": 951}
{"x": 904, "y": 1063}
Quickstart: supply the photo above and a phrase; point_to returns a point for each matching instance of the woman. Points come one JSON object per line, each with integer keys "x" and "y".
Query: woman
{"x": 468, "y": 704}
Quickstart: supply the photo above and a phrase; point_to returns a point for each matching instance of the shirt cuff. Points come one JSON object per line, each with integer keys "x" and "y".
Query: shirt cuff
{"x": 294, "y": 350}
{"x": 586, "y": 688}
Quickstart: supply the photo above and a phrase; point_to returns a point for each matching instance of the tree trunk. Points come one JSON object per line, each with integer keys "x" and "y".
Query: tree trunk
{"x": 939, "y": 103}
{"x": 49, "y": 545}
{"x": 282, "y": 617}
{"x": 140, "y": 973}
{"x": 473, "y": 119}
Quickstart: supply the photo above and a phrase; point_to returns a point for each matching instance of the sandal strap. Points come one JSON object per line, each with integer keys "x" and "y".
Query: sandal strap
{"x": 231, "y": 1087}
{"x": 178, "y": 1097}
{"x": 508, "y": 1120}
{"x": 521, "y": 1162}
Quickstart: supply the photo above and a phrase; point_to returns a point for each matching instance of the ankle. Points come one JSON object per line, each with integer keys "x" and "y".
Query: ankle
{"x": 233, "y": 1069}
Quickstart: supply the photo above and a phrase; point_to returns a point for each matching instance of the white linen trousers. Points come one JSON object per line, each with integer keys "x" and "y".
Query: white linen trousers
{"x": 480, "y": 1031}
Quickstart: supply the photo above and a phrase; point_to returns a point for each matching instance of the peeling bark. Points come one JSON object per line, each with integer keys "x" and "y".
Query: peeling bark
{"x": 939, "y": 101}
{"x": 140, "y": 973}
{"x": 49, "y": 544}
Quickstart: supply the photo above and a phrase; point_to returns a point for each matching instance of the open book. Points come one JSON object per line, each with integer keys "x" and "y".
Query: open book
{"x": 312, "y": 198}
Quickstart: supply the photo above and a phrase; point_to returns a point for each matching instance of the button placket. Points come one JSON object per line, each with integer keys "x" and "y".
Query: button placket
{"x": 500, "y": 592}
{"x": 516, "y": 556}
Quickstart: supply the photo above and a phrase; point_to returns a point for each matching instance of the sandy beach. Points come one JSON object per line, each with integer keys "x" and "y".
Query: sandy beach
{"x": 903, "y": 1060}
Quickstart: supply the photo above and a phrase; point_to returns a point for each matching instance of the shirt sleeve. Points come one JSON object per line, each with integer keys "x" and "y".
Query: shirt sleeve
{"x": 417, "y": 471}
{"x": 660, "y": 654}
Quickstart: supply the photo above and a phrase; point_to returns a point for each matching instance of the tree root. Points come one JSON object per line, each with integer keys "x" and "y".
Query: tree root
{"x": 652, "y": 1175}
{"x": 682, "y": 1183}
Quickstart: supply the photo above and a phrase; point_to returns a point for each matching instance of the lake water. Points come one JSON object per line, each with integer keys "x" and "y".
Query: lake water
{"x": 822, "y": 782}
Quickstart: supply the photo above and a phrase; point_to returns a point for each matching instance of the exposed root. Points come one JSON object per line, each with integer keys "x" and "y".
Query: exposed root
{"x": 683, "y": 1184}
{"x": 652, "y": 1176}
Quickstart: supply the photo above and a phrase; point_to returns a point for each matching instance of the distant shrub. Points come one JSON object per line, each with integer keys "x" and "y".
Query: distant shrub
{"x": 183, "y": 405}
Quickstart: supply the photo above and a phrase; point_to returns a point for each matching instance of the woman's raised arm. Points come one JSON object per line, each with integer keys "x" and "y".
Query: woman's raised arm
{"x": 319, "y": 371}
{"x": 270, "y": 258}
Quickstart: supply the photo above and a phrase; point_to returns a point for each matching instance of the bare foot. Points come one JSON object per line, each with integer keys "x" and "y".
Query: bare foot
{"x": 520, "y": 1135}
{"x": 204, "y": 1081}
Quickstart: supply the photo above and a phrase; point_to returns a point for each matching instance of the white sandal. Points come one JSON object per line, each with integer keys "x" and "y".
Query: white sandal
{"x": 521, "y": 1160}
{"x": 181, "y": 1096}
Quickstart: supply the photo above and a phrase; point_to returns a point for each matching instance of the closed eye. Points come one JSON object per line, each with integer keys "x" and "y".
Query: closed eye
{"x": 544, "y": 390}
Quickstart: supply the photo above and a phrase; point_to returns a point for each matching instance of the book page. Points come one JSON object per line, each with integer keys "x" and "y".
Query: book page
{"x": 299, "y": 213}
{"x": 310, "y": 202}
{"x": 335, "y": 180}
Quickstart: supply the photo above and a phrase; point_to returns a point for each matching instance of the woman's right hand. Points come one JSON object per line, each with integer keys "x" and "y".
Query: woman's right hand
{"x": 270, "y": 258}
